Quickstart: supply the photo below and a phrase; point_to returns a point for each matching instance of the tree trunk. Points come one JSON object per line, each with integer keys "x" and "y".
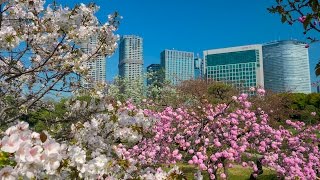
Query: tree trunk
{"x": 260, "y": 170}
{"x": 225, "y": 169}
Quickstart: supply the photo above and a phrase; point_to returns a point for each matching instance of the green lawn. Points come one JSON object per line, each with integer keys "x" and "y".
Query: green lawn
{"x": 236, "y": 173}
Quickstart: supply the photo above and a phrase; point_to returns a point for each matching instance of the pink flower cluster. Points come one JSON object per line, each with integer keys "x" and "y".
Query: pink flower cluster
{"x": 216, "y": 137}
{"x": 302, "y": 19}
{"x": 210, "y": 138}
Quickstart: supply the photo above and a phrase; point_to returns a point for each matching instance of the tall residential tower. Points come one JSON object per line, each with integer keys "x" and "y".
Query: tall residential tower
{"x": 97, "y": 66}
{"x": 130, "y": 57}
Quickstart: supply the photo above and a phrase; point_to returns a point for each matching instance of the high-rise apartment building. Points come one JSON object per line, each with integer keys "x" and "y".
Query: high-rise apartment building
{"x": 240, "y": 66}
{"x": 178, "y": 65}
{"x": 286, "y": 66}
{"x": 154, "y": 73}
{"x": 97, "y": 66}
{"x": 130, "y": 57}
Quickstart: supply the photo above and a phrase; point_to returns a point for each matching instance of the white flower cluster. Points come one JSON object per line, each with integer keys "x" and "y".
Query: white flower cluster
{"x": 150, "y": 174}
{"x": 8, "y": 38}
{"x": 92, "y": 154}
{"x": 38, "y": 156}
{"x": 94, "y": 168}
{"x": 103, "y": 130}
{"x": 34, "y": 153}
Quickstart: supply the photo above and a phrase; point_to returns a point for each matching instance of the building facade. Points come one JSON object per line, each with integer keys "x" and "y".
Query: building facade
{"x": 178, "y": 65}
{"x": 97, "y": 66}
{"x": 198, "y": 68}
{"x": 286, "y": 66}
{"x": 153, "y": 71}
{"x": 130, "y": 57}
{"x": 240, "y": 66}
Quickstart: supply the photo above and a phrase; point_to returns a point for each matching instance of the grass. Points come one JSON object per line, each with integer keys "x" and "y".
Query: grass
{"x": 240, "y": 173}
{"x": 237, "y": 172}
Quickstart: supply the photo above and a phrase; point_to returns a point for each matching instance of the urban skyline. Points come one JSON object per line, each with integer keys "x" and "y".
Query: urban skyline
{"x": 283, "y": 72}
{"x": 242, "y": 66}
{"x": 131, "y": 65}
{"x": 197, "y": 26}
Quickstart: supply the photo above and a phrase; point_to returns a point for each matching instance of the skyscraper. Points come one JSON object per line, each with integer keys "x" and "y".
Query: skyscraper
{"x": 178, "y": 65}
{"x": 240, "y": 66}
{"x": 286, "y": 66}
{"x": 97, "y": 66}
{"x": 130, "y": 57}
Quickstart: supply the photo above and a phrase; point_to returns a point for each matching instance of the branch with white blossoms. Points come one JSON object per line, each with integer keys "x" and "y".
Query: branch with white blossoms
{"x": 42, "y": 50}
{"x": 121, "y": 123}
{"x": 93, "y": 153}
{"x": 33, "y": 153}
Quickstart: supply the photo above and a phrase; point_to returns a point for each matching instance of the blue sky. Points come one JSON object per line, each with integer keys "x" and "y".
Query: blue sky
{"x": 195, "y": 26}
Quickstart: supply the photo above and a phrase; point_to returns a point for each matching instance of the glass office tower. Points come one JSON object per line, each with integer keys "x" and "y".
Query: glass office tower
{"x": 240, "y": 66}
{"x": 286, "y": 66}
{"x": 178, "y": 65}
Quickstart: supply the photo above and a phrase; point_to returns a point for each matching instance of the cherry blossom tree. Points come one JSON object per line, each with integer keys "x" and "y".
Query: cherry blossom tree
{"x": 40, "y": 51}
{"x": 94, "y": 150}
{"x": 122, "y": 141}
{"x": 216, "y": 138}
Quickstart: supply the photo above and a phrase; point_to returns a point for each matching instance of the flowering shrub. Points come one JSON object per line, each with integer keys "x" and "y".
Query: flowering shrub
{"x": 123, "y": 141}
{"x": 96, "y": 149}
{"x": 217, "y": 137}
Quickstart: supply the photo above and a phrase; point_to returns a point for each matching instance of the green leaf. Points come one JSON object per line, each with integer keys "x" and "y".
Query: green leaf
{"x": 314, "y": 5}
{"x": 283, "y": 18}
{"x": 272, "y": 10}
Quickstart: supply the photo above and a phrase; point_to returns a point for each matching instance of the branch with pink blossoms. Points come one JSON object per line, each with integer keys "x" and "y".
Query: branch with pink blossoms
{"x": 225, "y": 139}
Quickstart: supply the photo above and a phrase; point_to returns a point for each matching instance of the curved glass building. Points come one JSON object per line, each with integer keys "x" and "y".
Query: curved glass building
{"x": 286, "y": 67}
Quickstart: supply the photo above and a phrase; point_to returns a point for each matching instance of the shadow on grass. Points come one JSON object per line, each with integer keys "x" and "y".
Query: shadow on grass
{"x": 236, "y": 173}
